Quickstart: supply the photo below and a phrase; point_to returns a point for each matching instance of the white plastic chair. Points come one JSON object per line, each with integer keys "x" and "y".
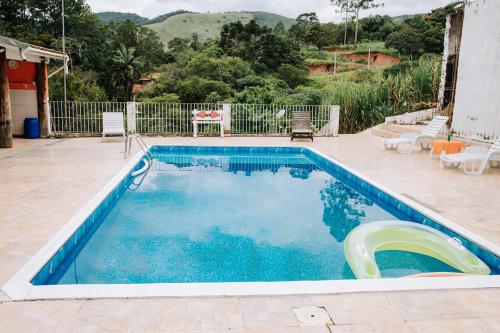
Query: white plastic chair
{"x": 473, "y": 160}
{"x": 112, "y": 124}
{"x": 406, "y": 142}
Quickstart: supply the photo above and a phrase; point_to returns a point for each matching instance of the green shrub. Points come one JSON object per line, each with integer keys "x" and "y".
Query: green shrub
{"x": 164, "y": 98}
{"x": 363, "y": 75}
{"x": 250, "y": 81}
{"x": 400, "y": 68}
{"x": 364, "y": 105}
{"x": 81, "y": 86}
{"x": 292, "y": 75}
{"x": 301, "y": 96}
{"x": 313, "y": 53}
{"x": 195, "y": 89}
{"x": 361, "y": 105}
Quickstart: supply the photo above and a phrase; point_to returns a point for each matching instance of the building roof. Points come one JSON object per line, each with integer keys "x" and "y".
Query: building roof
{"x": 18, "y": 50}
{"x": 137, "y": 88}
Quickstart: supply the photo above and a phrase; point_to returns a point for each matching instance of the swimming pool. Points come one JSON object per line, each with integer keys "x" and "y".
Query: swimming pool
{"x": 234, "y": 216}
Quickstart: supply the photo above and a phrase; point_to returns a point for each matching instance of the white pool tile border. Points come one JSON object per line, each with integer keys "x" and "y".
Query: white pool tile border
{"x": 20, "y": 288}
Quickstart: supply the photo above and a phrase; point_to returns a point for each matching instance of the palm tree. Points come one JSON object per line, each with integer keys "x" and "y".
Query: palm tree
{"x": 127, "y": 65}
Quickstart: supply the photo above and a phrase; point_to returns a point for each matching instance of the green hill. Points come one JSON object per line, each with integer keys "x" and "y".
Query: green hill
{"x": 165, "y": 16}
{"x": 118, "y": 17}
{"x": 208, "y": 26}
{"x": 270, "y": 19}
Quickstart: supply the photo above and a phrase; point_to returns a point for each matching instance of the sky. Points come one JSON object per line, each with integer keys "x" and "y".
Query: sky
{"x": 289, "y": 8}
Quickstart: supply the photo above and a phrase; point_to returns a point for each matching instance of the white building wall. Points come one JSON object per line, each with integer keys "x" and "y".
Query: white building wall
{"x": 23, "y": 105}
{"x": 477, "y": 100}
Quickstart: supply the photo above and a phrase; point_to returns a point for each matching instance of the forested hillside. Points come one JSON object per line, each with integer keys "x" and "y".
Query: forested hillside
{"x": 243, "y": 61}
{"x": 108, "y": 17}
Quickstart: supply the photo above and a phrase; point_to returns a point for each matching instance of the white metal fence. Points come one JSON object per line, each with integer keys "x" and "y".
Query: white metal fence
{"x": 85, "y": 118}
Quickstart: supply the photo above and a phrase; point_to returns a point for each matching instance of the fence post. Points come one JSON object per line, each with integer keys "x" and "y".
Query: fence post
{"x": 334, "y": 120}
{"x": 131, "y": 117}
{"x": 226, "y": 108}
{"x": 49, "y": 125}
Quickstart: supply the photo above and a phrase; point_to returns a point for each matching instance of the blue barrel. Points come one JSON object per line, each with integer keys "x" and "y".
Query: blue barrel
{"x": 31, "y": 128}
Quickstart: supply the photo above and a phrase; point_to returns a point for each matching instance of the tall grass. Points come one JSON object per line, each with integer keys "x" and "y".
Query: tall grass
{"x": 364, "y": 105}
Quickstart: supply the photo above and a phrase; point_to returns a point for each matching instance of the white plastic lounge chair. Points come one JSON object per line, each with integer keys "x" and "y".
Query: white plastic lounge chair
{"x": 112, "y": 124}
{"x": 473, "y": 159}
{"x": 406, "y": 142}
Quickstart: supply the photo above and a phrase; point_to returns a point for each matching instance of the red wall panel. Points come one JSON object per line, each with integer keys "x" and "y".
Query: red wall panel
{"x": 22, "y": 75}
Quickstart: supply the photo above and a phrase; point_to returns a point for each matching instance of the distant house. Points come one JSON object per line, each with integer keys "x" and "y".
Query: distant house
{"x": 137, "y": 88}
{"x": 23, "y": 87}
{"x": 470, "y": 87}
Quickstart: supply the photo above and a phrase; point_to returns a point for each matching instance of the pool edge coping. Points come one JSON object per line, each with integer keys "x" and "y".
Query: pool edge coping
{"x": 19, "y": 286}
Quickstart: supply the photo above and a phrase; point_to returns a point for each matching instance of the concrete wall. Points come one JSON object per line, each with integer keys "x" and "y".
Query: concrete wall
{"x": 23, "y": 105}
{"x": 449, "y": 64}
{"x": 477, "y": 101}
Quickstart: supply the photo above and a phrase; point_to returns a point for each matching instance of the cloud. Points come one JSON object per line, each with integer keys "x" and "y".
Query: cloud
{"x": 290, "y": 8}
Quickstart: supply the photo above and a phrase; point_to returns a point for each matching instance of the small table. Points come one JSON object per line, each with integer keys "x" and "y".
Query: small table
{"x": 446, "y": 147}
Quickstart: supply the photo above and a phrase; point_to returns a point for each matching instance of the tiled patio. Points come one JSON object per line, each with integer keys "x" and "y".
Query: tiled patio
{"x": 45, "y": 182}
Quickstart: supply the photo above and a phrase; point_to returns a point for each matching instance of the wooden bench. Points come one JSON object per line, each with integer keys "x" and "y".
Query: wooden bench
{"x": 301, "y": 125}
{"x": 208, "y": 117}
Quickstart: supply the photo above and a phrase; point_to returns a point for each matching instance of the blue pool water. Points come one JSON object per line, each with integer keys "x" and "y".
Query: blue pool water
{"x": 227, "y": 215}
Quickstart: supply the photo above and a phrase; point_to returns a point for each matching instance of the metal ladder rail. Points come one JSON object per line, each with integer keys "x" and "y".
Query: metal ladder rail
{"x": 134, "y": 186}
{"x": 144, "y": 146}
{"x": 140, "y": 142}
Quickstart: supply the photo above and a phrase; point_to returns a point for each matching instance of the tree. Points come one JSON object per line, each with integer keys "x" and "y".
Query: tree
{"x": 408, "y": 41}
{"x": 266, "y": 93}
{"x": 39, "y": 22}
{"x": 359, "y": 5}
{"x": 239, "y": 40}
{"x": 125, "y": 63}
{"x": 225, "y": 68}
{"x": 81, "y": 86}
{"x": 343, "y": 6}
{"x": 438, "y": 15}
{"x": 353, "y": 6}
{"x": 178, "y": 45}
{"x": 145, "y": 41}
{"x": 343, "y": 208}
{"x": 292, "y": 75}
{"x": 265, "y": 50}
{"x": 307, "y": 29}
{"x": 195, "y": 42}
{"x": 275, "y": 50}
{"x": 32, "y": 16}
{"x": 419, "y": 34}
{"x": 338, "y": 32}
{"x": 195, "y": 89}
{"x": 167, "y": 98}
{"x": 326, "y": 35}
{"x": 279, "y": 28}
{"x": 90, "y": 43}
{"x": 147, "y": 50}
{"x": 433, "y": 40}
{"x": 376, "y": 27}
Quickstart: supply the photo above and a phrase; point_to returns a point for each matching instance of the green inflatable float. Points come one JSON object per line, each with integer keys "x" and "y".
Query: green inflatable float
{"x": 362, "y": 243}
